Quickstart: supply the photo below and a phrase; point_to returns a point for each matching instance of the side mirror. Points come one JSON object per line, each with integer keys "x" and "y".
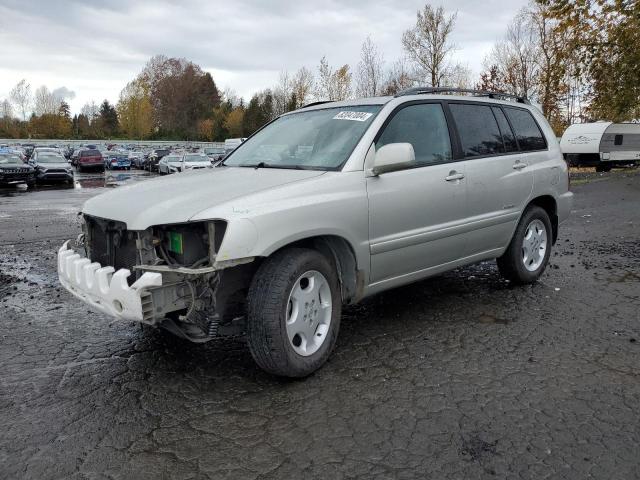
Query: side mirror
{"x": 393, "y": 157}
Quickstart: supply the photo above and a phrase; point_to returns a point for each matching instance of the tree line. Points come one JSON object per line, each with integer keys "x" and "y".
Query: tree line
{"x": 578, "y": 59}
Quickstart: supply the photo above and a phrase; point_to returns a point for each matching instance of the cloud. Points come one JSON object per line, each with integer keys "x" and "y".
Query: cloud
{"x": 94, "y": 47}
{"x": 64, "y": 93}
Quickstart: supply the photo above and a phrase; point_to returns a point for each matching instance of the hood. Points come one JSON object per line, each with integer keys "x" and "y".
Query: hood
{"x": 56, "y": 165}
{"x": 177, "y": 198}
{"x": 13, "y": 166}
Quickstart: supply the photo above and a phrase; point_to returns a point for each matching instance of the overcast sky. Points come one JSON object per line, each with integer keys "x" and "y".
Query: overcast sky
{"x": 92, "y": 48}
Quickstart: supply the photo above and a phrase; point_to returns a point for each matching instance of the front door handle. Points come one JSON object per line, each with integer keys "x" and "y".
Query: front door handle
{"x": 519, "y": 165}
{"x": 454, "y": 176}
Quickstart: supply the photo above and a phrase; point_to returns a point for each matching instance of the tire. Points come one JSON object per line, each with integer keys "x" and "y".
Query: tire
{"x": 513, "y": 264}
{"x": 268, "y": 305}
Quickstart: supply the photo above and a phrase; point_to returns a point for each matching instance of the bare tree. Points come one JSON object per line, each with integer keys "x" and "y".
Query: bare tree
{"x": 230, "y": 95}
{"x": 302, "y": 85}
{"x": 20, "y": 95}
{"x": 459, "y": 76}
{"x": 6, "y": 110}
{"x": 516, "y": 58}
{"x": 333, "y": 85}
{"x": 282, "y": 94}
{"x": 399, "y": 77}
{"x": 45, "y": 102}
{"x": 428, "y": 44}
{"x": 90, "y": 110}
{"x": 369, "y": 74}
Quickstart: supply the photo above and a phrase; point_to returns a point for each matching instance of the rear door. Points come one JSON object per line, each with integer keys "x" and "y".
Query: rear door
{"x": 499, "y": 177}
{"x": 415, "y": 214}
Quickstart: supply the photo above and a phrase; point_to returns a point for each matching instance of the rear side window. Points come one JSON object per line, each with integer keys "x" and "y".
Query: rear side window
{"x": 425, "y": 127}
{"x": 478, "y": 129}
{"x": 617, "y": 140}
{"x": 526, "y": 129}
{"x": 505, "y": 129}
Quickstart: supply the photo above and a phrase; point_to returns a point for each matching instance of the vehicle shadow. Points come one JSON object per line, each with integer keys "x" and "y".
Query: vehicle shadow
{"x": 428, "y": 307}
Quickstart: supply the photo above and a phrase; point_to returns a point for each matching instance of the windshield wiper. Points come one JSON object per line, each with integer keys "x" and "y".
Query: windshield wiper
{"x": 275, "y": 165}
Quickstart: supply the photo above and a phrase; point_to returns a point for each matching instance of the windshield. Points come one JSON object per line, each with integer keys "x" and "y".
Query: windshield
{"x": 9, "y": 158}
{"x": 196, "y": 158}
{"x": 317, "y": 139}
{"x": 172, "y": 159}
{"x": 50, "y": 159}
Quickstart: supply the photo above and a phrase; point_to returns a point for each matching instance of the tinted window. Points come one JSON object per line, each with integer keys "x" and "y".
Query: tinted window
{"x": 425, "y": 127}
{"x": 478, "y": 129}
{"x": 508, "y": 137}
{"x": 526, "y": 129}
{"x": 617, "y": 140}
{"x": 90, "y": 153}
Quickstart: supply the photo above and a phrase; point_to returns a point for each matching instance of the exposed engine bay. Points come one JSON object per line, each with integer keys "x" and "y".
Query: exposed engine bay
{"x": 200, "y": 298}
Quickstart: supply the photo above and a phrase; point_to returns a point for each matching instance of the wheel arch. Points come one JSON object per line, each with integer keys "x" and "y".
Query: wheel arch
{"x": 339, "y": 251}
{"x": 549, "y": 205}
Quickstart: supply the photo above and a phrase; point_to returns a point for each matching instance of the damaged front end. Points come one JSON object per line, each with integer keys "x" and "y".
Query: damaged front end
{"x": 166, "y": 275}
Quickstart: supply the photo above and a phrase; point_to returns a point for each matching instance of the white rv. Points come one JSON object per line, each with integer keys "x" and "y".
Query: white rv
{"x": 230, "y": 144}
{"x": 601, "y": 144}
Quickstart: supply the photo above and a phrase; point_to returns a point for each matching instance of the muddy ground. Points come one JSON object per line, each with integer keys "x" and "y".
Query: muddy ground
{"x": 460, "y": 376}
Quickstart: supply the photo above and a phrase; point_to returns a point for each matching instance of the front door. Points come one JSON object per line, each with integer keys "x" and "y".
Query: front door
{"x": 416, "y": 216}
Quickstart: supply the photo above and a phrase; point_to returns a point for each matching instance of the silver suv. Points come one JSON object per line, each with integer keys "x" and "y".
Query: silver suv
{"x": 322, "y": 207}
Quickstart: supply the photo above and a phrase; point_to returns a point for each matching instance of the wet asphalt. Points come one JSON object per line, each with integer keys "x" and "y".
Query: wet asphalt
{"x": 460, "y": 376}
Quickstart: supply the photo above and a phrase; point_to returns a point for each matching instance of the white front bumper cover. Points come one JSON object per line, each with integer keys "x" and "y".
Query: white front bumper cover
{"x": 102, "y": 288}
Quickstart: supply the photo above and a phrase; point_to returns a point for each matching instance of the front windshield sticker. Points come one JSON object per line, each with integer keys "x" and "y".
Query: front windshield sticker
{"x": 357, "y": 116}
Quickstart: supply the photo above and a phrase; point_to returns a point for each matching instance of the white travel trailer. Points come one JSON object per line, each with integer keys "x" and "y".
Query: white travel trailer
{"x": 230, "y": 144}
{"x": 601, "y": 144}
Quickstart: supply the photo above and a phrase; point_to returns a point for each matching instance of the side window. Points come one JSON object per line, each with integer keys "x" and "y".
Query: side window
{"x": 425, "y": 127}
{"x": 478, "y": 129}
{"x": 527, "y": 131}
{"x": 617, "y": 140}
{"x": 505, "y": 129}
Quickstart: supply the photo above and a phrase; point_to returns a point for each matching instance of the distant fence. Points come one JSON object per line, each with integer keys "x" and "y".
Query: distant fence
{"x": 141, "y": 143}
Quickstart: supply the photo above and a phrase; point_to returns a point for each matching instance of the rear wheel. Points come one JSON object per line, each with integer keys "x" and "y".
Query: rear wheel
{"x": 528, "y": 253}
{"x": 294, "y": 307}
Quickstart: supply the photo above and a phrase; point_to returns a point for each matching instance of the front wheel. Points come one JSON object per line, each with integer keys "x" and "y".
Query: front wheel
{"x": 293, "y": 312}
{"x": 528, "y": 253}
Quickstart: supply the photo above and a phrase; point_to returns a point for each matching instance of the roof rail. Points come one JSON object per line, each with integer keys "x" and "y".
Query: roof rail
{"x": 475, "y": 93}
{"x": 313, "y": 104}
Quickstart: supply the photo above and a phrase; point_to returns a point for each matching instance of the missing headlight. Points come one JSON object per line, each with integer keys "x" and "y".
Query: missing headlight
{"x": 189, "y": 244}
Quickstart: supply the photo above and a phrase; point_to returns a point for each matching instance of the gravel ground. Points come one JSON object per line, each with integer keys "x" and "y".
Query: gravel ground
{"x": 460, "y": 376}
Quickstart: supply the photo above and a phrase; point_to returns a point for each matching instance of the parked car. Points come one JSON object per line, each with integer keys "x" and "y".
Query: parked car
{"x": 170, "y": 164}
{"x": 117, "y": 161}
{"x": 215, "y": 154}
{"x": 154, "y": 157}
{"x": 14, "y": 171}
{"x": 194, "y": 161}
{"x": 89, "y": 159}
{"x": 325, "y": 206}
{"x": 136, "y": 159}
{"x": 50, "y": 167}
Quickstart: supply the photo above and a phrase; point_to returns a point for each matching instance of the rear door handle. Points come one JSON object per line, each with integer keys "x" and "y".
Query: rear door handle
{"x": 453, "y": 176}
{"x": 519, "y": 165}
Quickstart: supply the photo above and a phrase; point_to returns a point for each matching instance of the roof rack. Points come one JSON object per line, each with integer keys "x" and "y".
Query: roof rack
{"x": 475, "y": 93}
